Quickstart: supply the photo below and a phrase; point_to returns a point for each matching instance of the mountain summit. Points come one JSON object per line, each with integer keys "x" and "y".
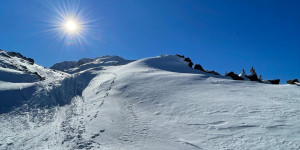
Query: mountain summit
{"x": 153, "y": 103}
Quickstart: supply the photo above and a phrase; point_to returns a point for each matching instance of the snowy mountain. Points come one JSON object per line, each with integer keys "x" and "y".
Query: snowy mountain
{"x": 87, "y": 63}
{"x": 20, "y": 79}
{"x": 153, "y": 103}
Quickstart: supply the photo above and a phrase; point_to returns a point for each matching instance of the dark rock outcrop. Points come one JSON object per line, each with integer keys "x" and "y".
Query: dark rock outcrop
{"x": 16, "y": 54}
{"x": 182, "y": 56}
{"x": 198, "y": 67}
{"x": 234, "y": 76}
{"x": 40, "y": 77}
{"x": 253, "y": 77}
{"x": 30, "y": 60}
{"x": 189, "y": 61}
{"x": 243, "y": 76}
{"x": 292, "y": 81}
{"x": 213, "y": 72}
{"x": 4, "y": 54}
{"x": 275, "y": 81}
{"x": 191, "y": 64}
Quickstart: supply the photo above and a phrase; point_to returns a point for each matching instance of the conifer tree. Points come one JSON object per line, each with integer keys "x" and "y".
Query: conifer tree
{"x": 252, "y": 70}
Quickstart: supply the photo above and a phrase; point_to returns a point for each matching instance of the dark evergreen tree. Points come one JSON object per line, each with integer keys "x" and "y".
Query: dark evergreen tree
{"x": 252, "y": 71}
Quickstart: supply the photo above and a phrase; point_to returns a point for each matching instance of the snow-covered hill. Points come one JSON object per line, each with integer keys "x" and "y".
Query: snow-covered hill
{"x": 87, "y": 63}
{"x": 153, "y": 103}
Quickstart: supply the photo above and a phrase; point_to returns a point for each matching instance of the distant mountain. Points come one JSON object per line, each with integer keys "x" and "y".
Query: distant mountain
{"x": 86, "y": 63}
{"x": 152, "y": 103}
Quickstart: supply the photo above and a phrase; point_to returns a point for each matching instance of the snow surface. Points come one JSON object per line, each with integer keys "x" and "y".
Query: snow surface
{"x": 153, "y": 103}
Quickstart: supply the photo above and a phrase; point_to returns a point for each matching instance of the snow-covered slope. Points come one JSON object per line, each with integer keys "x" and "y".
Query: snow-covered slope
{"x": 157, "y": 103}
{"x": 20, "y": 79}
{"x": 16, "y": 68}
{"x": 87, "y": 63}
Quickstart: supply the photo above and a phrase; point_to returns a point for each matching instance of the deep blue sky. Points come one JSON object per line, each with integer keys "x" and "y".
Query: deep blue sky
{"x": 221, "y": 35}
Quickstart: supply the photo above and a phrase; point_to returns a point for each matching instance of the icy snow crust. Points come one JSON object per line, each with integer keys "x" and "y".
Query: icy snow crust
{"x": 155, "y": 103}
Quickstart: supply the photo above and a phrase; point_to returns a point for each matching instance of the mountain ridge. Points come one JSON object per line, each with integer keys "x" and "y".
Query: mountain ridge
{"x": 75, "y": 66}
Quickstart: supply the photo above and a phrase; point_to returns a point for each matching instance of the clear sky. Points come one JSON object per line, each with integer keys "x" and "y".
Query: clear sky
{"x": 221, "y": 35}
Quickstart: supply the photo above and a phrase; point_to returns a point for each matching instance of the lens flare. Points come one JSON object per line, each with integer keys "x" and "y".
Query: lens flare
{"x": 70, "y": 22}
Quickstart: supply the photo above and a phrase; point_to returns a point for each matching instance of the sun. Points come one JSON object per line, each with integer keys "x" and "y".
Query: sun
{"x": 71, "y": 26}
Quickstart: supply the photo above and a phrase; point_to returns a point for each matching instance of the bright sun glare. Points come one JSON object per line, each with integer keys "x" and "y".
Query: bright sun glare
{"x": 71, "y": 26}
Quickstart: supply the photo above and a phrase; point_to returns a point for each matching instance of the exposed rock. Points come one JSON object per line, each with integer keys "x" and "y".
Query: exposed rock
{"x": 199, "y": 67}
{"x": 31, "y": 61}
{"x": 234, "y": 76}
{"x": 213, "y": 72}
{"x": 189, "y": 61}
{"x": 182, "y": 56}
{"x": 191, "y": 64}
{"x": 253, "y": 77}
{"x": 24, "y": 68}
{"x": 4, "y": 54}
{"x": 292, "y": 81}
{"x": 275, "y": 81}
{"x": 40, "y": 77}
{"x": 16, "y": 54}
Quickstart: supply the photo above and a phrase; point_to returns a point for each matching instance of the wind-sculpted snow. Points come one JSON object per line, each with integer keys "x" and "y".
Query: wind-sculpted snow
{"x": 21, "y": 79}
{"x": 39, "y": 95}
{"x": 15, "y": 97}
{"x": 155, "y": 103}
{"x": 62, "y": 93}
{"x": 9, "y": 75}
